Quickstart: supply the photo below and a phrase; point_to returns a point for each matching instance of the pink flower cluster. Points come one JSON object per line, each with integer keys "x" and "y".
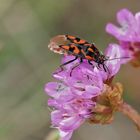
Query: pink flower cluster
{"x": 73, "y": 98}
{"x": 128, "y": 33}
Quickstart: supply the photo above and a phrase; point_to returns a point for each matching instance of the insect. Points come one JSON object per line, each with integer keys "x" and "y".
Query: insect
{"x": 80, "y": 48}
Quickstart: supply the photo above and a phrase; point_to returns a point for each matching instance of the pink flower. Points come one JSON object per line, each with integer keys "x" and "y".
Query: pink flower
{"x": 71, "y": 110}
{"x": 73, "y": 97}
{"x": 128, "y": 33}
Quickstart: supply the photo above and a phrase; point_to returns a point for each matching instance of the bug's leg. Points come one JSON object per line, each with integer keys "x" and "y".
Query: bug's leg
{"x": 106, "y": 68}
{"x": 90, "y": 62}
{"x": 98, "y": 66}
{"x": 69, "y": 62}
{"x": 81, "y": 60}
{"x": 88, "y": 77}
{"x": 62, "y": 66}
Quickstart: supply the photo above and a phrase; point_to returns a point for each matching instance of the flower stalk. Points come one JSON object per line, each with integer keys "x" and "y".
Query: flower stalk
{"x": 131, "y": 113}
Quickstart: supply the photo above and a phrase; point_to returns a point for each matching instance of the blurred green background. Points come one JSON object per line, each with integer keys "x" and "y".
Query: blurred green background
{"x": 26, "y": 63}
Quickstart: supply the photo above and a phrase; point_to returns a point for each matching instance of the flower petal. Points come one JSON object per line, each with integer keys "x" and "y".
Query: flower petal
{"x": 125, "y": 17}
{"x": 92, "y": 91}
{"x": 56, "y": 117}
{"x": 51, "y": 88}
{"x": 114, "y": 52}
{"x": 113, "y": 30}
{"x": 65, "y": 135}
{"x": 137, "y": 16}
{"x": 71, "y": 123}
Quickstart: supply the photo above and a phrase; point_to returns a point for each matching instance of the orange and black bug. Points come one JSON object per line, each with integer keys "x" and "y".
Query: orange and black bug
{"x": 80, "y": 48}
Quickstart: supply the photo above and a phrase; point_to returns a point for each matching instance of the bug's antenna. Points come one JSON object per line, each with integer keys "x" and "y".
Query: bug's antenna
{"x": 118, "y": 58}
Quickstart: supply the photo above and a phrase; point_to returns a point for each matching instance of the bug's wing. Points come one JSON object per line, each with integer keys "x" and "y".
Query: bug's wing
{"x": 74, "y": 49}
{"x": 67, "y": 40}
{"x": 76, "y": 40}
{"x": 55, "y": 43}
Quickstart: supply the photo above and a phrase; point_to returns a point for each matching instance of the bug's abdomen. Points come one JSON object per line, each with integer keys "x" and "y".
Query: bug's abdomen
{"x": 85, "y": 51}
{"x": 73, "y": 49}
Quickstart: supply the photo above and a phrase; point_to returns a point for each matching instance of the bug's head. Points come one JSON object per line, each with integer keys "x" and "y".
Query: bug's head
{"x": 102, "y": 58}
